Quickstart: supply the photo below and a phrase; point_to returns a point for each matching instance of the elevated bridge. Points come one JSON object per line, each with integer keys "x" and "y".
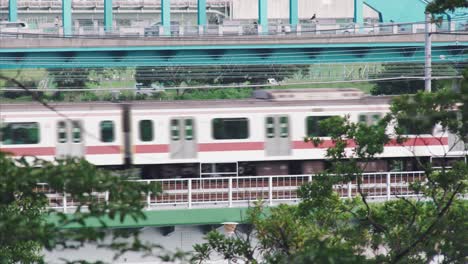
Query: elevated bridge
{"x": 56, "y": 52}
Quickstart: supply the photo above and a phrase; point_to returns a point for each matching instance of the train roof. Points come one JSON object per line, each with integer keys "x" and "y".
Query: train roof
{"x": 317, "y": 99}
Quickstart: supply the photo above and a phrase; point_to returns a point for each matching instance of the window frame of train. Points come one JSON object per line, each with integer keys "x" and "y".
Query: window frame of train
{"x": 102, "y": 131}
{"x": 7, "y": 131}
{"x": 370, "y": 118}
{"x": 215, "y": 169}
{"x": 277, "y": 135}
{"x": 416, "y": 130}
{"x": 182, "y": 138}
{"x": 221, "y": 129}
{"x": 146, "y": 130}
{"x": 70, "y": 140}
{"x": 315, "y": 124}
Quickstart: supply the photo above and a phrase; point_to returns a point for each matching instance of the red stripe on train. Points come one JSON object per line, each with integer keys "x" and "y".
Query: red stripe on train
{"x": 231, "y": 146}
{"x": 161, "y": 148}
{"x": 206, "y": 147}
{"x": 34, "y": 151}
{"x": 94, "y": 150}
{"x": 417, "y": 142}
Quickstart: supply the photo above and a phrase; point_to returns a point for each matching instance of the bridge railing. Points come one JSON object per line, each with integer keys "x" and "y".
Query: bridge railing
{"x": 230, "y": 30}
{"x": 120, "y": 3}
{"x": 243, "y": 191}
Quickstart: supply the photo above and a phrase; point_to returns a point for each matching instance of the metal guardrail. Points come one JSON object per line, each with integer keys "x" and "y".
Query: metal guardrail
{"x": 243, "y": 191}
{"x": 230, "y": 30}
{"x": 120, "y": 3}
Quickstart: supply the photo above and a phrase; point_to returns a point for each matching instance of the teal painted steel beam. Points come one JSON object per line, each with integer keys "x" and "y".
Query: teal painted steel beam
{"x": 358, "y": 12}
{"x": 108, "y": 20}
{"x": 229, "y": 56}
{"x": 166, "y": 16}
{"x": 201, "y": 14}
{"x": 12, "y": 11}
{"x": 67, "y": 17}
{"x": 293, "y": 12}
{"x": 159, "y": 218}
{"x": 263, "y": 15}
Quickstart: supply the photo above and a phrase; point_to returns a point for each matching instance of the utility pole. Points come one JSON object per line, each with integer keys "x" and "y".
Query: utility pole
{"x": 428, "y": 54}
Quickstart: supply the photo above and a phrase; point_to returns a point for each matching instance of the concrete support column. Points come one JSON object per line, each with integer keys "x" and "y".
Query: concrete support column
{"x": 12, "y": 11}
{"x": 201, "y": 14}
{"x": 358, "y": 12}
{"x": 166, "y": 16}
{"x": 263, "y": 16}
{"x": 293, "y": 13}
{"x": 108, "y": 25}
{"x": 67, "y": 17}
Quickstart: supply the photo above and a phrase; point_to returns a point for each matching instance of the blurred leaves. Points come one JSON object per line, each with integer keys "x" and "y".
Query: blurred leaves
{"x": 25, "y": 225}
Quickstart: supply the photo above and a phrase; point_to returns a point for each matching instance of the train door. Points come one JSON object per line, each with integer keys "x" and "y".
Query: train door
{"x": 455, "y": 143}
{"x": 183, "y": 138}
{"x": 277, "y": 136}
{"x": 70, "y": 141}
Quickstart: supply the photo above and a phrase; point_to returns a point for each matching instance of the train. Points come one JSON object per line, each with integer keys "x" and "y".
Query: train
{"x": 262, "y": 135}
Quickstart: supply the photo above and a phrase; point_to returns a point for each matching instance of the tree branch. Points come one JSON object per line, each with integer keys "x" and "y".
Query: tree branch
{"x": 424, "y": 236}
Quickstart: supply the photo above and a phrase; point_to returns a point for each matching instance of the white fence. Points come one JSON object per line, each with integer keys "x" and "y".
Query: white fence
{"x": 243, "y": 191}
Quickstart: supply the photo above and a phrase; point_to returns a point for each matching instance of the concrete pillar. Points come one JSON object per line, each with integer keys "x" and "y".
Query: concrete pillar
{"x": 67, "y": 17}
{"x": 108, "y": 16}
{"x": 293, "y": 13}
{"x": 166, "y": 16}
{"x": 12, "y": 11}
{"x": 201, "y": 15}
{"x": 358, "y": 11}
{"x": 263, "y": 16}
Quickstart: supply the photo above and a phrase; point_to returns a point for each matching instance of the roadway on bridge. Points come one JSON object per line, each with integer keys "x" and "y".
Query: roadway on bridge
{"x": 213, "y": 42}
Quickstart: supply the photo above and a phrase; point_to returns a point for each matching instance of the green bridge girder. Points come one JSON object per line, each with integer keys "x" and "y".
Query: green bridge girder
{"x": 225, "y": 55}
{"x": 173, "y": 217}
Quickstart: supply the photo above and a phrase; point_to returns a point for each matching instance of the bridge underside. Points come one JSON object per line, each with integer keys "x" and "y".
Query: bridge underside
{"x": 224, "y": 55}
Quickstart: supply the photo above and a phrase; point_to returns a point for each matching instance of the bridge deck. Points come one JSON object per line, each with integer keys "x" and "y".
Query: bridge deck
{"x": 227, "y": 42}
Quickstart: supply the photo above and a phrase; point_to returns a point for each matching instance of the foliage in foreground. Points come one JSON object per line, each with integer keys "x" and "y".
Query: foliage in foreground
{"x": 27, "y": 226}
{"x": 326, "y": 229}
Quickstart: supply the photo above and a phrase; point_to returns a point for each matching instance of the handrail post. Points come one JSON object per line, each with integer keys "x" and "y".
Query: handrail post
{"x": 388, "y": 186}
{"x": 310, "y": 178}
{"x": 189, "y": 189}
{"x": 148, "y": 198}
{"x": 230, "y": 192}
{"x": 349, "y": 190}
{"x": 270, "y": 190}
{"x": 64, "y": 200}
{"x": 106, "y": 197}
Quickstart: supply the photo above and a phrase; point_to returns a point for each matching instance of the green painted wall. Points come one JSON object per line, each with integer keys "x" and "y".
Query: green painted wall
{"x": 399, "y": 10}
{"x": 174, "y": 217}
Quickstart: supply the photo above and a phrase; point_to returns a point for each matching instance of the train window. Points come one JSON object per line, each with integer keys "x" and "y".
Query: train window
{"x": 376, "y": 118}
{"x": 20, "y": 133}
{"x": 363, "y": 119}
{"x": 416, "y": 128}
{"x": 270, "y": 127}
{"x": 189, "y": 129}
{"x": 146, "y": 130}
{"x": 62, "y": 132}
{"x": 175, "y": 133}
{"x": 107, "y": 131}
{"x": 76, "y": 132}
{"x": 313, "y": 126}
{"x": 284, "y": 129}
{"x": 230, "y": 128}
